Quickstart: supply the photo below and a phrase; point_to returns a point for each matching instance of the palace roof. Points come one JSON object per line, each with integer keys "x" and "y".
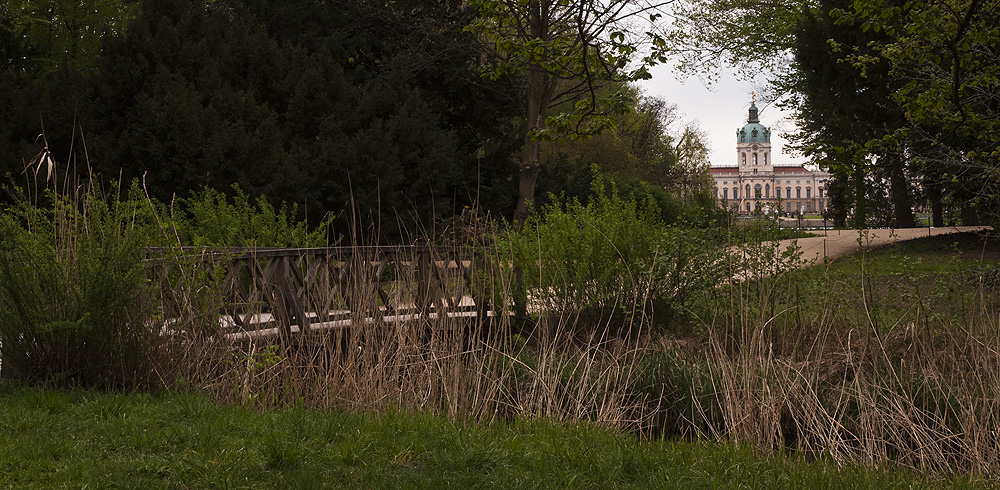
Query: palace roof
{"x": 784, "y": 170}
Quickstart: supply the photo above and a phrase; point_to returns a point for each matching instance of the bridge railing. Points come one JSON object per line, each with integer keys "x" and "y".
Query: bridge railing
{"x": 297, "y": 290}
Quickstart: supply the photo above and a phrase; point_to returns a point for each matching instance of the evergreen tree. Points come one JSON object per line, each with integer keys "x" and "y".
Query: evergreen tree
{"x": 301, "y": 102}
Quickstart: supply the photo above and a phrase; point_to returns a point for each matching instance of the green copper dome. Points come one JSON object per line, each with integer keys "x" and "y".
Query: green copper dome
{"x": 753, "y": 131}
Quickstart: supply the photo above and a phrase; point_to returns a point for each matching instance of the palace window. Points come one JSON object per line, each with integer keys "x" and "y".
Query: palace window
{"x": 747, "y": 195}
{"x": 756, "y": 191}
{"x": 820, "y": 192}
{"x": 744, "y": 159}
{"x": 765, "y": 159}
{"x": 798, "y": 193}
{"x": 788, "y": 192}
{"x": 725, "y": 193}
{"x": 755, "y": 159}
{"x": 809, "y": 192}
{"x": 767, "y": 191}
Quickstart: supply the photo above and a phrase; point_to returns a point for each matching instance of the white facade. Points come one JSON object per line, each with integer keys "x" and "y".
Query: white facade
{"x": 755, "y": 185}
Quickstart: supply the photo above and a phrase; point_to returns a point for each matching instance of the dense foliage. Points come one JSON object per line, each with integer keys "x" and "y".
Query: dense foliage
{"x": 843, "y": 114}
{"x": 299, "y": 101}
{"x": 79, "y": 305}
{"x": 611, "y": 255}
{"x": 75, "y": 305}
{"x": 907, "y": 114}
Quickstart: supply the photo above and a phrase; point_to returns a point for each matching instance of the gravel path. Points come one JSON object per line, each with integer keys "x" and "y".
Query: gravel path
{"x": 837, "y": 243}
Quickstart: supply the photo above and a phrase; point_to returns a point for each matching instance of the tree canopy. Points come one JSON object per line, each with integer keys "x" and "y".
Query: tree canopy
{"x": 370, "y": 111}
{"x": 566, "y": 51}
{"x": 400, "y": 113}
{"x": 897, "y": 98}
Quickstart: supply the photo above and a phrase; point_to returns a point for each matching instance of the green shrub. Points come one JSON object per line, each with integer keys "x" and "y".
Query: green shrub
{"x": 613, "y": 255}
{"x": 575, "y": 256}
{"x": 987, "y": 274}
{"x": 210, "y": 218}
{"x": 74, "y": 292}
{"x": 687, "y": 264}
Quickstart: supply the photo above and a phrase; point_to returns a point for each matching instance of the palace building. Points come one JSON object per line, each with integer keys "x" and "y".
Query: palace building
{"x": 756, "y": 185}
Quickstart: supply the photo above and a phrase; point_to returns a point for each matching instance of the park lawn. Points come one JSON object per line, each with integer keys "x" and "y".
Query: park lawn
{"x": 935, "y": 281}
{"x": 937, "y": 277}
{"x": 84, "y": 439}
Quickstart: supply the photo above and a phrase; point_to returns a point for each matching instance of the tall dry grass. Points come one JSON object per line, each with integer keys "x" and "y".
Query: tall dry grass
{"x": 770, "y": 368}
{"x": 854, "y": 401}
{"x": 482, "y": 367}
{"x": 913, "y": 393}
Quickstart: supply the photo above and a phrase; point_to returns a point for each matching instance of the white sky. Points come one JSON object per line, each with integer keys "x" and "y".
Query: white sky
{"x": 720, "y": 111}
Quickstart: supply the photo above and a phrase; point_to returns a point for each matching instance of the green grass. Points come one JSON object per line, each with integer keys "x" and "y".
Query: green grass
{"x": 928, "y": 281}
{"x": 82, "y": 439}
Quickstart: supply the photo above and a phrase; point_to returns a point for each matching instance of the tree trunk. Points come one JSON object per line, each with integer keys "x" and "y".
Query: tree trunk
{"x": 860, "y": 194}
{"x": 540, "y": 97}
{"x": 541, "y": 90}
{"x": 527, "y": 177}
{"x": 902, "y": 204}
{"x": 541, "y": 87}
{"x": 969, "y": 214}
{"x": 937, "y": 208}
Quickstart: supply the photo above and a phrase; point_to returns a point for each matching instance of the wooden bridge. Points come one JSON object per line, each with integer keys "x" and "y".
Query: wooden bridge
{"x": 289, "y": 292}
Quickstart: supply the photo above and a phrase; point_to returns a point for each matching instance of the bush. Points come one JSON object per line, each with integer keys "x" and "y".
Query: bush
{"x": 74, "y": 302}
{"x": 210, "y": 218}
{"x": 575, "y": 256}
{"x": 687, "y": 264}
{"x": 613, "y": 255}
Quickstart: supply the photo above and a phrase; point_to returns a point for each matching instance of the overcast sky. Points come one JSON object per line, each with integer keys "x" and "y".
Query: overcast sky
{"x": 720, "y": 111}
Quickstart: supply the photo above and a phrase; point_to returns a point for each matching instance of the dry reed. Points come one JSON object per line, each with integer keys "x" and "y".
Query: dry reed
{"x": 915, "y": 397}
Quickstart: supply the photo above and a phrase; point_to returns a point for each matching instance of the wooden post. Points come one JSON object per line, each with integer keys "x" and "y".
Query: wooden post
{"x": 293, "y": 302}
{"x": 285, "y": 302}
{"x": 423, "y": 257}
